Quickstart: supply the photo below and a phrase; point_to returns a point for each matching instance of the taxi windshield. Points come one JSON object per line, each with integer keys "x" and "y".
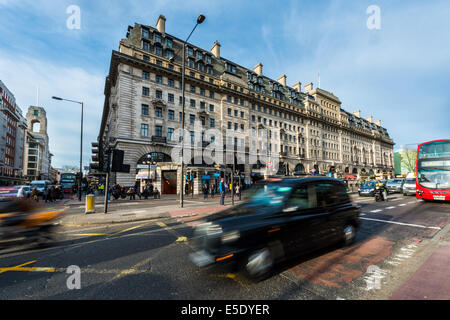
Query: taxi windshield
{"x": 270, "y": 195}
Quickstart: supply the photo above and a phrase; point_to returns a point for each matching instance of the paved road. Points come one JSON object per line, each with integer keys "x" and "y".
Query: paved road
{"x": 149, "y": 260}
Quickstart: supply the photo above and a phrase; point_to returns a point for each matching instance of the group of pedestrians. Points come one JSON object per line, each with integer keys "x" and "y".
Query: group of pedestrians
{"x": 50, "y": 194}
{"x": 224, "y": 188}
{"x": 120, "y": 191}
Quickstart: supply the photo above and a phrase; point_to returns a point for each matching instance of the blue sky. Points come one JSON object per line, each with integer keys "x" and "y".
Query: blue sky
{"x": 400, "y": 73}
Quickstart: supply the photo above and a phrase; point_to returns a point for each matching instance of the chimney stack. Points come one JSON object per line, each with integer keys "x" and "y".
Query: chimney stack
{"x": 370, "y": 119}
{"x": 309, "y": 87}
{"x": 161, "y": 24}
{"x": 258, "y": 69}
{"x": 282, "y": 80}
{"x": 297, "y": 86}
{"x": 357, "y": 113}
{"x": 378, "y": 123}
{"x": 215, "y": 50}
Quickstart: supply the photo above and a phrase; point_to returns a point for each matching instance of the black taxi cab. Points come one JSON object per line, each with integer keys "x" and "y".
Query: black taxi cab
{"x": 280, "y": 220}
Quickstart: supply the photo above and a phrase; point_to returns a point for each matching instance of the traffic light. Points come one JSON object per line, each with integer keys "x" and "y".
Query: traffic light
{"x": 97, "y": 157}
{"x": 117, "y": 162}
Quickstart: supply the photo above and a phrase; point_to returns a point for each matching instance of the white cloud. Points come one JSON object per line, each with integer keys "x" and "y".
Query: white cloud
{"x": 22, "y": 75}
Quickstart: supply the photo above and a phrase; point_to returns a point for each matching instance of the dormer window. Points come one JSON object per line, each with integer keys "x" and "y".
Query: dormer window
{"x": 169, "y": 43}
{"x": 231, "y": 68}
{"x": 190, "y": 52}
{"x": 157, "y": 38}
{"x": 145, "y": 33}
{"x": 199, "y": 55}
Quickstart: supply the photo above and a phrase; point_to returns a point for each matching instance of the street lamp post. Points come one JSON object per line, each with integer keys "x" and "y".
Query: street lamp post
{"x": 148, "y": 172}
{"x": 200, "y": 20}
{"x": 81, "y": 143}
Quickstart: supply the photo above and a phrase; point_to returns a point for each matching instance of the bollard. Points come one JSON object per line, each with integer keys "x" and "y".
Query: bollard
{"x": 90, "y": 204}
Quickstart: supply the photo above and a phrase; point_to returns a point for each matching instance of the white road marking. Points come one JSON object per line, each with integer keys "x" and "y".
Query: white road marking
{"x": 402, "y": 205}
{"x": 403, "y": 224}
{"x": 375, "y": 211}
{"x": 389, "y": 208}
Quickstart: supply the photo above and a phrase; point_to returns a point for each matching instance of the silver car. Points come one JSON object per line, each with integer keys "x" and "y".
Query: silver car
{"x": 395, "y": 185}
{"x": 409, "y": 187}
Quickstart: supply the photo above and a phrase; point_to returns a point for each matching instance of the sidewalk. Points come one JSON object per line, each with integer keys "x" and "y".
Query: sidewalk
{"x": 141, "y": 214}
{"x": 431, "y": 281}
{"x": 100, "y": 199}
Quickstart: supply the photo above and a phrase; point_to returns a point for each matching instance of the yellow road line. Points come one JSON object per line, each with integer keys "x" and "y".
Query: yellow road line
{"x": 87, "y": 234}
{"x": 22, "y": 268}
{"x": 128, "y": 229}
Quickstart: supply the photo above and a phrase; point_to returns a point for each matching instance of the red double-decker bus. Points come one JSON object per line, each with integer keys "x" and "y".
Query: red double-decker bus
{"x": 433, "y": 170}
{"x": 67, "y": 181}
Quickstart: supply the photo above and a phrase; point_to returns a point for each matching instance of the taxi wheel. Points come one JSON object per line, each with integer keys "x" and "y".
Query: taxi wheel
{"x": 259, "y": 264}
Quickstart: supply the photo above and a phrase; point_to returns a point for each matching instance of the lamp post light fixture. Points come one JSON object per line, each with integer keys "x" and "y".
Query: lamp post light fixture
{"x": 81, "y": 142}
{"x": 200, "y": 20}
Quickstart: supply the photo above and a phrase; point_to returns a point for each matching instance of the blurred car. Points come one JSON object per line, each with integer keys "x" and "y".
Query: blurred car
{"x": 7, "y": 193}
{"x": 367, "y": 189}
{"x": 395, "y": 185}
{"x": 280, "y": 220}
{"x": 409, "y": 187}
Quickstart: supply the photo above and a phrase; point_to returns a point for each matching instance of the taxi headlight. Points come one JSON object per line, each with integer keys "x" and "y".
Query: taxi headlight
{"x": 230, "y": 236}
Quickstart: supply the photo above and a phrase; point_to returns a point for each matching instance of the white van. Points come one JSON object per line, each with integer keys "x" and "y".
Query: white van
{"x": 40, "y": 185}
{"x": 409, "y": 187}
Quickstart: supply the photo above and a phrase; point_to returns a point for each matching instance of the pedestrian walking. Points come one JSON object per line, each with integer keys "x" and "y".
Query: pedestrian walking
{"x": 156, "y": 194}
{"x": 34, "y": 194}
{"x": 131, "y": 194}
{"x": 222, "y": 192}
{"x": 46, "y": 196}
{"x": 205, "y": 191}
{"x": 213, "y": 191}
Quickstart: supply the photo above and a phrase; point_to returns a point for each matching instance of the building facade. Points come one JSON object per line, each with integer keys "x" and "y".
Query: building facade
{"x": 12, "y": 139}
{"x": 306, "y": 129}
{"x": 37, "y": 154}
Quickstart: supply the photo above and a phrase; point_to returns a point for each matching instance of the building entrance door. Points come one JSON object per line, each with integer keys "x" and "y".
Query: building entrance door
{"x": 169, "y": 182}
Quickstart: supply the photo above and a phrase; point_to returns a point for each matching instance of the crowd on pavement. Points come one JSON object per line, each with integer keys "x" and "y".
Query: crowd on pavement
{"x": 50, "y": 194}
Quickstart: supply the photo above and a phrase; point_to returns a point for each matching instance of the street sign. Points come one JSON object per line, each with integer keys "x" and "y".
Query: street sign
{"x": 146, "y": 166}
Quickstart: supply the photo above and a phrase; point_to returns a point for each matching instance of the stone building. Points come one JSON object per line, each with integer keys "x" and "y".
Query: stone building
{"x": 306, "y": 128}
{"x": 12, "y": 139}
{"x": 37, "y": 153}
